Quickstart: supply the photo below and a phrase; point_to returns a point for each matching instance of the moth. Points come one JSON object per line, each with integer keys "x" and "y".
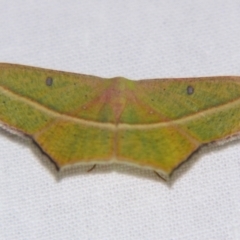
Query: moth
{"x": 155, "y": 123}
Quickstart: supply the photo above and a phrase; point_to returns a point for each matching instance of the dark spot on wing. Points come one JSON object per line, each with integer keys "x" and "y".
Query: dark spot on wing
{"x": 49, "y": 81}
{"x": 190, "y": 90}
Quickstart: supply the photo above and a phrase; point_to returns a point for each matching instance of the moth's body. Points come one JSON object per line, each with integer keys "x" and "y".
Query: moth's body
{"x": 158, "y": 124}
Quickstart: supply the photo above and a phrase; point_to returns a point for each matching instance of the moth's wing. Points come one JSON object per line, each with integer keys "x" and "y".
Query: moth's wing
{"x": 60, "y": 111}
{"x": 161, "y": 122}
{"x": 169, "y": 119}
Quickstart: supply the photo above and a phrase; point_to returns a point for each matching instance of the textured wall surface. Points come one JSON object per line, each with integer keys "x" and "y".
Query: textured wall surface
{"x": 136, "y": 39}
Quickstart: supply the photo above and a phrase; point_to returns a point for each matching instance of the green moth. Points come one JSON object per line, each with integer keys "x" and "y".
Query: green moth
{"x": 156, "y": 123}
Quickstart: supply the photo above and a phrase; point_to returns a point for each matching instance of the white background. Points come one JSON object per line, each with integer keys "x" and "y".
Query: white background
{"x": 136, "y": 39}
